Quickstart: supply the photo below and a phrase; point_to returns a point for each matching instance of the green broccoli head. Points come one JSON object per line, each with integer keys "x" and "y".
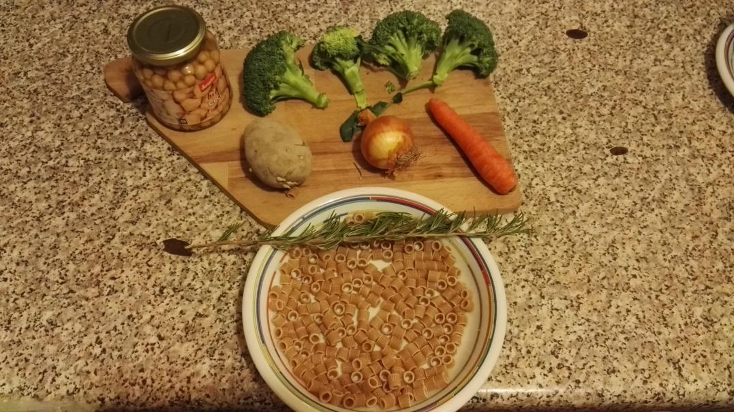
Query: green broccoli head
{"x": 467, "y": 42}
{"x": 337, "y": 44}
{"x": 401, "y": 40}
{"x": 270, "y": 74}
{"x": 338, "y": 50}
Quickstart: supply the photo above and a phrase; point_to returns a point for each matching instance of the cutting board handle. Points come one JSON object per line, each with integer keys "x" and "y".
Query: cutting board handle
{"x": 121, "y": 80}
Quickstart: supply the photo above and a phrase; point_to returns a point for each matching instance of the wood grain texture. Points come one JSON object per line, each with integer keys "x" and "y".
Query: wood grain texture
{"x": 121, "y": 80}
{"x": 442, "y": 173}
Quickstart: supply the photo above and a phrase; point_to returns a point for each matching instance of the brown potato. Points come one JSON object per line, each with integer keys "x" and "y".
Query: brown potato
{"x": 276, "y": 154}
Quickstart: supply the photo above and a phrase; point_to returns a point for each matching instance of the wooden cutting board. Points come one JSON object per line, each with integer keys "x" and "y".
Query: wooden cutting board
{"x": 442, "y": 173}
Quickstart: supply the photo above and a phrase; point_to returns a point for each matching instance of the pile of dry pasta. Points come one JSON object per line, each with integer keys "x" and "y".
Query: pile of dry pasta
{"x": 357, "y": 336}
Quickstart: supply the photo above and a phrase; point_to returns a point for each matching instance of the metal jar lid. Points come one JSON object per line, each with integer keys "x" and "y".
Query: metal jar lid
{"x": 166, "y": 35}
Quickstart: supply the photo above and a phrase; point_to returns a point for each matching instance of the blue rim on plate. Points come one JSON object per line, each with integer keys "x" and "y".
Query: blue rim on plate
{"x": 480, "y": 263}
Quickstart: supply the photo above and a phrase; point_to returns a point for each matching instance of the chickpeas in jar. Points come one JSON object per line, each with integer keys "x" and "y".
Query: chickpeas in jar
{"x": 178, "y": 63}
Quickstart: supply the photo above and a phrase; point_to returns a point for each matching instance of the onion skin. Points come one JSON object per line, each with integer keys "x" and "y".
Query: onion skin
{"x": 387, "y": 143}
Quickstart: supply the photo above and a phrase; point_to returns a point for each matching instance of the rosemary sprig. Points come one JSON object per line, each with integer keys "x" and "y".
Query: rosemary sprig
{"x": 229, "y": 231}
{"x": 385, "y": 226}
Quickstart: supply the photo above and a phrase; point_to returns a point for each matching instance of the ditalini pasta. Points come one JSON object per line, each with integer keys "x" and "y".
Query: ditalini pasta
{"x": 360, "y": 337}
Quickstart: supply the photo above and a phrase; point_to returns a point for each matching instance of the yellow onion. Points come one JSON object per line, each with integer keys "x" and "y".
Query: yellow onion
{"x": 387, "y": 143}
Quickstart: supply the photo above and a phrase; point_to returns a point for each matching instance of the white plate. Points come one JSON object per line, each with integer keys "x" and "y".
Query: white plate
{"x": 724, "y": 57}
{"x": 484, "y": 334}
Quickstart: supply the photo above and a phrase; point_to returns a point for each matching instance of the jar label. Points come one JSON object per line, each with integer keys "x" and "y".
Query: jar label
{"x": 211, "y": 78}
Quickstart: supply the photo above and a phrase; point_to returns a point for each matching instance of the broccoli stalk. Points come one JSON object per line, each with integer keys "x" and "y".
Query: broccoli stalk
{"x": 406, "y": 53}
{"x": 295, "y": 85}
{"x": 401, "y": 41}
{"x": 350, "y": 72}
{"x": 338, "y": 50}
{"x": 270, "y": 74}
{"x": 467, "y": 42}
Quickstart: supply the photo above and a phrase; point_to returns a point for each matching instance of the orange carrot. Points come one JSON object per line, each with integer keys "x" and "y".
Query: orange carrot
{"x": 490, "y": 165}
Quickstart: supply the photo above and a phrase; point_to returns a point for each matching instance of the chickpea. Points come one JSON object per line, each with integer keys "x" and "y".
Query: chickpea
{"x": 200, "y": 72}
{"x": 174, "y": 75}
{"x": 148, "y": 82}
{"x": 210, "y": 36}
{"x": 162, "y": 94}
{"x": 224, "y": 102}
{"x": 191, "y": 104}
{"x": 200, "y": 112}
{"x": 209, "y": 65}
{"x": 169, "y": 86}
{"x": 202, "y": 56}
{"x": 187, "y": 69}
{"x": 181, "y": 84}
{"x": 198, "y": 92}
{"x": 180, "y": 95}
{"x": 192, "y": 118}
{"x": 173, "y": 109}
{"x": 190, "y": 80}
{"x": 205, "y": 103}
{"x": 221, "y": 85}
{"x": 159, "y": 71}
{"x": 157, "y": 80}
{"x": 218, "y": 71}
{"x": 147, "y": 73}
{"x": 214, "y": 55}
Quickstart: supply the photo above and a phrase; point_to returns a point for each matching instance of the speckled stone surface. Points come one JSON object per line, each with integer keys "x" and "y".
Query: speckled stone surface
{"x": 622, "y": 299}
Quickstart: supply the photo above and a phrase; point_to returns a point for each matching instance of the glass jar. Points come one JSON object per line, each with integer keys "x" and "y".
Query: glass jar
{"x": 177, "y": 61}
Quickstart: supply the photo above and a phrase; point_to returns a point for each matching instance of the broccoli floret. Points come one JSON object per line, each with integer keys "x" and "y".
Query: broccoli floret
{"x": 467, "y": 42}
{"x": 338, "y": 50}
{"x": 401, "y": 40}
{"x": 270, "y": 74}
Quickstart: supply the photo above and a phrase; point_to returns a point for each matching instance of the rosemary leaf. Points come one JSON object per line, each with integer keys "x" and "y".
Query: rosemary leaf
{"x": 229, "y": 231}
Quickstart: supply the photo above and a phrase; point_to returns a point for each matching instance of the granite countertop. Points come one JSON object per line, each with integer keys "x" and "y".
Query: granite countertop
{"x": 623, "y": 298}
